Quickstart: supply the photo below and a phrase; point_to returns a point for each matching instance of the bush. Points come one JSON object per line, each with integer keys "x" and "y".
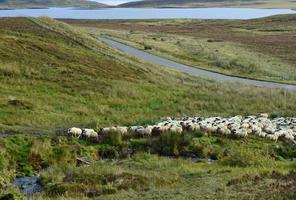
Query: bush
{"x": 244, "y": 156}
{"x": 172, "y": 144}
{"x": 114, "y": 139}
{"x": 9, "y": 70}
{"x": 147, "y": 47}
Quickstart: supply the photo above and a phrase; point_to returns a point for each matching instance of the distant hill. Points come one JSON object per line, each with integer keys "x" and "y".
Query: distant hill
{"x": 212, "y": 3}
{"x": 11, "y": 4}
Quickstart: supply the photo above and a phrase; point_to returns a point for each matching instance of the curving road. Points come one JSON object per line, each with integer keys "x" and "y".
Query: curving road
{"x": 191, "y": 70}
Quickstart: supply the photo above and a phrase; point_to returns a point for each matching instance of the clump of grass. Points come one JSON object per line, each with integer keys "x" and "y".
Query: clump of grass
{"x": 147, "y": 47}
{"x": 114, "y": 138}
{"x": 20, "y": 104}
{"x": 171, "y": 144}
{"x": 246, "y": 157}
{"x": 9, "y": 70}
{"x": 99, "y": 179}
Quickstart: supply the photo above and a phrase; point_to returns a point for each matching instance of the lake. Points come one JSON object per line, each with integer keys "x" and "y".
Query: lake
{"x": 148, "y": 13}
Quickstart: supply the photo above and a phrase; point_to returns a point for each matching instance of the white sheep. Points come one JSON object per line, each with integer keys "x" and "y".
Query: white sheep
{"x": 176, "y": 129}
{"x": 272, "y": 137}
{"x": 89, "y": 133}
{"x": 242, "y": 132}
{"x": 74, "y": 132}
{"x": 122, "y": 130}
{"x": 264, "y": 115}
{"x": 144, "y": 132}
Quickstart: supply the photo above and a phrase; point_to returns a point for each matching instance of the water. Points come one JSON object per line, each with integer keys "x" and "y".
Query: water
{"x": 148, "y": 13}
{"x": 113, "y": 2}
{"x": 28, "y": 185}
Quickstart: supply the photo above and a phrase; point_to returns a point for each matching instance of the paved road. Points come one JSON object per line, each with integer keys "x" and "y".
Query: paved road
{"x": 191, "y": 70}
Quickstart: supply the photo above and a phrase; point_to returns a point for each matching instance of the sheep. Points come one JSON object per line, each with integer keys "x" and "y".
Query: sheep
{"x": 176, "y": 129}
{"x": 260, "y": 126}
{"x": 142, "y": 132}
{"x": 272, "y": 137}
{"x": 156, "y": 131}
{"x": 193, "y": 127}
{"x": 89, "y": 133}
{"x": 245, "y": 125}
{"x": 223, "y": 130}
{"x": 74, "y": 132}
{"x": 269, "y": 129}
{"x": 262, "y": 134}
{"x": 122, "y": 130}
{"x": 264, "y": 115}
{"x": 242, "y": 132}
{"x": 257, "y": 130}
{"x": 107, "y": 130}
{"x": 289, "y": 137}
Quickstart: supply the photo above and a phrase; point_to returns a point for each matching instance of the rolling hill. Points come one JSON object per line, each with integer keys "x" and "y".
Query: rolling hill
{"x": 12, "y": 4}
{"x": 212, "y": 3}
{"x": 54, "y": 76}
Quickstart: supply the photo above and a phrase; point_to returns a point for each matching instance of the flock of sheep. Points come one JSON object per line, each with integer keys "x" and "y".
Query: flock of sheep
{"x": 260, "y": 125}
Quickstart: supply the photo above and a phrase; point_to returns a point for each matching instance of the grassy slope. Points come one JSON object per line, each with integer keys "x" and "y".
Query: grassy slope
{"x": 213, "y": 3}
{"x": 241, "y": 48}
{"x": 53, "y": 76}
{"x": 11, "y": 4}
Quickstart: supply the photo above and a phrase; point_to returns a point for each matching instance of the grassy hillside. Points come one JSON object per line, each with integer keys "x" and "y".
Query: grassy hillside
{"x": 213, "y": 3}
{"x": 11, "y": 4}
{"x": 53, "y": 76}
{"x": 259, "y": 49}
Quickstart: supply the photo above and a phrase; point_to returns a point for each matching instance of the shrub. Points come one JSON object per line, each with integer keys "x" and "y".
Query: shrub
{"x": 244, "y": 156}
{"x": 114, "y": 138}
{"x": 9, "y": 70}
{"x": 172, "y": 143}
{"x": 147, "y": 47}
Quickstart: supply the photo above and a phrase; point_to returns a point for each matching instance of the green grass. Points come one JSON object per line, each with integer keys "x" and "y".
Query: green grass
{"x": 233, "y": 47}
{"x": 250, "y": 165}
{"x": 53, "y": 76}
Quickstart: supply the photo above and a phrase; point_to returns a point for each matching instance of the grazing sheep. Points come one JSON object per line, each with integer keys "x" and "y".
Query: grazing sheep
{"x": 289, "y": 137}
{"x": 261, "y": 125}
{"x": 105, "y": 131}
{"x": 122, "y": 130}
{"x": 242, "y": 133}
{"x": 89, "y": 133}
{"x": 144, "y": 132}
{"x": 223, "y": 131}
{"x": 245, "y": 125}
{"x": 272, "y": 137}
{"x": 176, "y": 129}
{"x": 74, "y": 132}
{"x": 264, "y": 115}
{"x": 269, "y": 129}
{"x": 156, "y": 131}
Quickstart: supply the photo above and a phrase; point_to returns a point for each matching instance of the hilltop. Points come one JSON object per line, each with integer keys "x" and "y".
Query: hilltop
{"x": 211, "y": 3}
{"x": 14, "y": 4}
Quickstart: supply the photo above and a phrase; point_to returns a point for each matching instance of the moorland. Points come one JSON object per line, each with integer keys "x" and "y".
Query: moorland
{"x": 55, "y": 75}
